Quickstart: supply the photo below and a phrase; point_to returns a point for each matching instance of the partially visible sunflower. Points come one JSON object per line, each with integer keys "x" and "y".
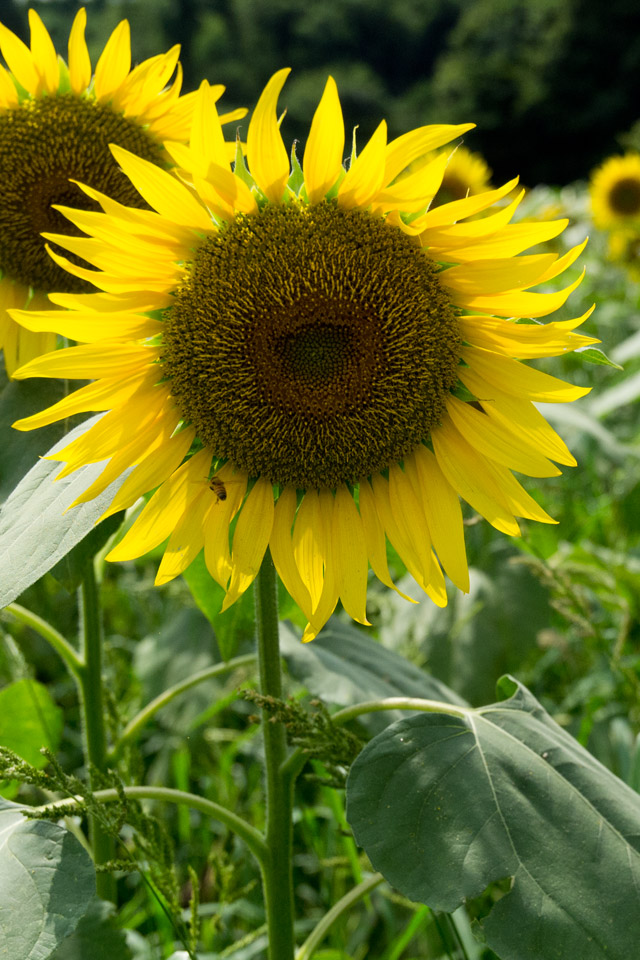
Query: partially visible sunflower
{"x": 56, "y": 122}
{"x": 329, "y": 362}
{"x": 624, "y": 249}
{"x": 615, "y": 192}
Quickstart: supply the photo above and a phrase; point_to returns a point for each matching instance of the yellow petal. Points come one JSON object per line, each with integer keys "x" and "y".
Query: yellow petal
{"x": 250, "y": 539}
{"x": 163, "y": 191}
{"x": 453, "y": 235}
{"x": 164, "y": 510}
{"x": 410, "y": 519}
{"x": 308, "y": 549}
{"x": 522, "y": 304}
{"x": 519, "y": 379}
{"x": 266, "y": 153}
{"x": 468, "y": 474}
{"x": 216, "y": 535}
{"x": 89, "y": 327}
{"x": 416, "y": 143}
{"x": 44, "y": 53}
{"x": 153, "y": 470}
{"x": 525, "y": 340}
{"x": 366, "y": 173}
{"x": 281, "y": 547}
{"x": 517, "y": 416}
{"x": 350, "y": 555}
{"x": 8, "y": 92}
{"x": 495, "y": 276}
{"x": 563, "y": 263}
{"x": 186, "y": 541}
{"x": 114, "y": 63}
{"x": 490, "y": 440}
{"x": 444, "y": 515}
{"x": 375, "y": 538}
{"x": 517, "y": 497}
{"x": 100, "y": 395}
{"x": 79, "y": 61}
{"x": 414, "y": 192}
{"x": 450, "y": 213}
{"x": 508, "y": 242}
{"x": 324, "y": 150}
{"x": 207, "y": 138}
{"x": 329, "y": 596}
{"x": 19, "y": 60}
{"x": 90, "y": 362}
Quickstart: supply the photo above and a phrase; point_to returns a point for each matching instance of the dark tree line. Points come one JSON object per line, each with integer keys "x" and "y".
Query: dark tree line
{"x": 550, "y": 83}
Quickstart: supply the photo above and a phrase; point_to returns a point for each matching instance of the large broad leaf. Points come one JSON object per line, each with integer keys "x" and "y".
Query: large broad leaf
{"x": 47, "y": 881}
{"x": 35, "y": 531}
{"x": 444, "y": 805}
{"x": 96, "y": 937}
{"x": 345, "y": 666}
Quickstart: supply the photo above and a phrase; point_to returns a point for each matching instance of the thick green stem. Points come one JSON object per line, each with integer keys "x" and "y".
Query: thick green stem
{"x": 92, "y": 704}
{"x": 277, "y": 876}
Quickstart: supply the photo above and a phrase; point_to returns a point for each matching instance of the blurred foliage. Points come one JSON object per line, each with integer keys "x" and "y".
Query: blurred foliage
{"x": 550, "y": 83}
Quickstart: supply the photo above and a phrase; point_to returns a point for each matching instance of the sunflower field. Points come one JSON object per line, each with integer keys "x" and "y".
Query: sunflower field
{"x": 319, "y": 496}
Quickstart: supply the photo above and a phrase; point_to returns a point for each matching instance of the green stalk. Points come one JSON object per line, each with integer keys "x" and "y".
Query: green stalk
{"x": 92, "y": 706}
{"x": 277, "y": 878}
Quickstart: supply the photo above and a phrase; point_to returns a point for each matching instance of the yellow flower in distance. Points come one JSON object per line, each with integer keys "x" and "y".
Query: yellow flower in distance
{"x": 313, "y": 352}
{"x": 615, "y": 192}
{"x": 56, "y": 123}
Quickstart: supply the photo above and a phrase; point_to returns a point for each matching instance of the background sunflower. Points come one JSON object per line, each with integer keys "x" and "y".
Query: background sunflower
{"x": 56, "y": 122}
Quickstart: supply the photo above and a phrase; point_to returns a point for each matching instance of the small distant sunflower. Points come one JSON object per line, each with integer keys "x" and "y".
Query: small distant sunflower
{"x": 615, "y": 192}
{"x": 56, "y": 122}
{"x": 313, "y": 353}
{"x": 624, "y": 249}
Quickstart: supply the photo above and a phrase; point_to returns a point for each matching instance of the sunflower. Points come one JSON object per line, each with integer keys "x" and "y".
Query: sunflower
{"x": 56, "y": 122}
{"x": 465, "y": 175}
{"x": 624, "y": 249}
{"x": 615, "y": 192}
{"x": 311, "y": 353}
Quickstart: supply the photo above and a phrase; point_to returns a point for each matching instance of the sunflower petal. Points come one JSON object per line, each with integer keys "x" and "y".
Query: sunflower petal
{"x": 366, "y": 174}
{"x": 375, "y": 538}
{"x": 250, "y": 540}
{"x": 517, "y": 378}
{"x": 79, "y": 61}
{"x": 266, "y": 153}
{"x": 281, "y": 547}
{"x": 186, "y": 541}
{"x": 350, "y": 555}
{"x": 405, "y": 149}
{"x": 44, "y": 54}
{"x": 19, "y": 60}
{"x": 114, "y": 62}
{"x": 323, "y": 153}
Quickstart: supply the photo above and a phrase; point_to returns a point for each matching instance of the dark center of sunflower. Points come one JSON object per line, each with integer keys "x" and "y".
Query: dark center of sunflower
{"x": 625, "y": 196}
{"x": 311, "y": 345}
{"x": 43, "y": 144}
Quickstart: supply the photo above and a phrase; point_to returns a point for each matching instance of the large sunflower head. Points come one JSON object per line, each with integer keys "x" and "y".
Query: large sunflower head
{"x": 311, "y": 351}
{"x": 615, "y": 192}
{"x": 57, "y": 120}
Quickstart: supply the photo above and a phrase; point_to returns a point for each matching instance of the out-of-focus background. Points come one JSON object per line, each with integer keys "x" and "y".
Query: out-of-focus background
{"x": 551, "y": 84}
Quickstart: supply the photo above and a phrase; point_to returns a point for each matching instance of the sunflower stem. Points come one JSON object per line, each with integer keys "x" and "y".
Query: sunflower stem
{"x": 92, "y": 705}
{"x": 277, "y": 878}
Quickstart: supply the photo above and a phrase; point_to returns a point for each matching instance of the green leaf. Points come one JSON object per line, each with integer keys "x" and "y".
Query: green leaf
{"x": 232, "y": 627}
{"x": 345, "y": 666}
{"x": 29, "y": 720}
{"x": 69, "y": 571}
{"x": 445, "y": 805}
{"x": 96, "y": 937}
{"x": 595, "y": 355}
{"x": 21, "y": 450}
{"x": 35, "y": 531}
{"x": 47, "y": 881}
